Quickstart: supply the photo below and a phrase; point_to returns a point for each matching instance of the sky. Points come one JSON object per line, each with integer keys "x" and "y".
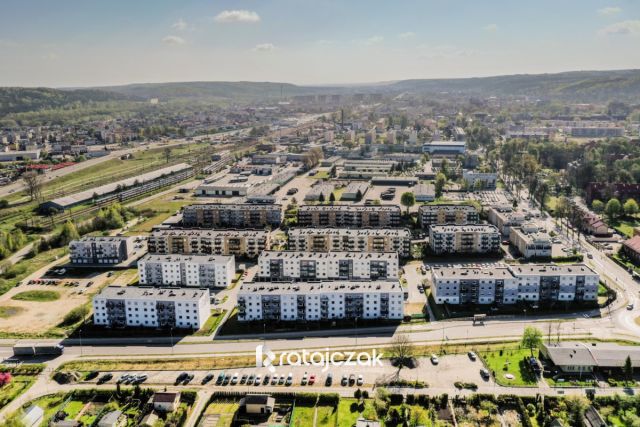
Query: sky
{"x": 73, "y": 43}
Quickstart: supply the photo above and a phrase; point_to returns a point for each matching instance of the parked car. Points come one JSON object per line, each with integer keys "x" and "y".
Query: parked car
{"x": 472, "y": 355}
{"x": 360, "y": 380}
{"x": 484, "y": 373}
{"x": 304, "y": 379}
{"x": 274, "y": 380}
{"x": 312, "y": 379}
{"x": 220, "y": 378}
{"x": 234, "y": 379}
{"x": 250, "y": 379}
{"x": 434, "y": 359}
{"x": 352, "y": 379}
{"x": 281, "y": 380}
{"x": 258, "y": 380}
{"x": 344, "y": 381}
{"x": 91, "y": 375}
{"x": 105, "y": 378}
{"x": 243, "y": 380}
{"x": 289, "y": 379}
{"x": 329, "y": 379}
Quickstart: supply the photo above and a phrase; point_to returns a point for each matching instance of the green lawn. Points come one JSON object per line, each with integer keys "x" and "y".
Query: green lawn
{"x": 211, "y": 324}
{"x": 18, "y": 385}
{"x": 225, "y": 410}
{"x": 40, "y": 296}
{"x": 73, "y": 408}
{"x": 6, "y": 312}
{"x": 303, "y": 416}
{"x": 160, "y": 210}
{"x": 348, "y": 411}
{"x": 625, "y": 226}
{"x": 24, "y": 268}
{"x": 510, "y": 362}
{"x": 321, "y": 175}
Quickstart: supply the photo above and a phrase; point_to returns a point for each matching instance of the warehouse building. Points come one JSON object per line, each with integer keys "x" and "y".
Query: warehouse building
{"x": 119, "y": 307}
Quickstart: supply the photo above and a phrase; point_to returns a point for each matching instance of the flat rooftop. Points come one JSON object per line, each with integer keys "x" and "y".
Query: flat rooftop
{"x": 350, "y": 208}
{"x": 143, "y": 292}
{"x": 232, "y": 206}
{"x": 381, "y": 232}
{"x": 572, "y": 353}
{"x": 470, "y": 273}
{"x": 386, "y": 256}
{"x": 200, "y": 259}
{"x": 448, "y": 206}
{"x": 550, "y": 269}
{"x": 198, "y": 232}
{"x": 471, "y": 228}
{"x": 353, "y": 287}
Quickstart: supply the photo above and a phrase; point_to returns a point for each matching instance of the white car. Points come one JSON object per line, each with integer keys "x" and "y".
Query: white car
{"x": 434, "y": 359}
{"x": 360, "y": 380}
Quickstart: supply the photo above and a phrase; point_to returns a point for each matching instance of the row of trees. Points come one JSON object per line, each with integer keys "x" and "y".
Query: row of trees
{"x": 614, "y": 209}
{"x": 11, "y": 241}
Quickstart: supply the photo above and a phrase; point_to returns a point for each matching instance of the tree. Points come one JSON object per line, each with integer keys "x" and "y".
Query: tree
{"x": 630, "y": 207}
{"x": 402, "y": 350}
{"x": 332, "y": 197}
{"x": 597, "y": 206}
{"x": 628, "y": 369}
{"x": 407, "y": 200}
{"x": 167, "y": 154}
{"x": 441, "y": 180}
{"x": 33, "y": 181}
{"x": 68, "y": 233}
{"x": 613, "y": 208}
{"x": 531, "y": 338}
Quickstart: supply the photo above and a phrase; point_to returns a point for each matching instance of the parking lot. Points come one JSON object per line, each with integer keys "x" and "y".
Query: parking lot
{"x": 448, "y": 370}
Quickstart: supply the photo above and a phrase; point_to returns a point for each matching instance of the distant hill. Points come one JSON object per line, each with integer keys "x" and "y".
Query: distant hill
{"x": 576, "y": 86}
{"x": 586, "y": 86}
{"x": 19, "y": 100}
{"x": 225, "y": 90}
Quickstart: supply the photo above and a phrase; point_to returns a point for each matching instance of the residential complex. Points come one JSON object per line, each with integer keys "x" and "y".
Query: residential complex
{"x": 311, "y": 266}
{"x": 348, "y": 216}
{"x": 508, "y": 285}
{"x": 199, "y": 271}
{"x": 96, "y": 250}
{"x": 479, "y": 180}
{"x": 317, "y": 301}
{"x": 530, "y": 242}
{"x": 246, "y": 243}
{"x": 232, "y": 215}
{"x": 464, "y": 239}
{"x": 118, "y": 307}
{"x": 505, "y": 217}
{"x": 348, "y": 239}
{"x": 429, "y": 215}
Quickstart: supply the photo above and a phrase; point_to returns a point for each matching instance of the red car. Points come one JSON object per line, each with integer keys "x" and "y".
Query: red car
{"x": 312, "y": 379}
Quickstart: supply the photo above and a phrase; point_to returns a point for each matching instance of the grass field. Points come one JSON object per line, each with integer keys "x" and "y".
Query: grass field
{"x": 24, "y": 268}
{"x": 625, "y": 226}
{"x": 510, "y": 362}
{"x": 18, "y": 385}
{"x": 225, "y": 410}
{"x": 7, "y": 312}
{"x": 211, "y": 324}
{"x": 162, "y": 210}
{"x": 349, "y": 411}
{"x": 41, "y": 296}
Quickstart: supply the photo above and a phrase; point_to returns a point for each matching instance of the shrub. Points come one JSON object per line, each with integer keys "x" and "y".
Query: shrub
{"x": 75, "y": 316}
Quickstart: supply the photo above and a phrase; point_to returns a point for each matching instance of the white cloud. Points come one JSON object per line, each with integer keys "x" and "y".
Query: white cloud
{"x": 608, "y": 11}
{"x": 232, "y": 16}
{"x": 407, "y": 35}
{"x": 492, "y": 28}
{"x": 180, "y": 25}
{"x": 374, "y": 40}
{"x": 324, "y": 42}
{"x": 621, "y": 28}
{"x": 173, "y": 40}
{"x": 264, "y": 47}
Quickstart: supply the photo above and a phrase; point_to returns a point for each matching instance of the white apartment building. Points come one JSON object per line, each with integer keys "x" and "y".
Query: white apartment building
{"x": 468, "y": 239}
{"x": 443, "y": 214}
{"x": 531, "y": 242}
{"x": 318, "y": 301}
{"x": 198, "y": 271}
{"x": 508, "y": 285}
{"x": 480, "y": 180}
{"x": 505, "y": 218}
{"x": 93, "y": 250}
{"x": 117, "y": 307}
{"x": 187, "y": 241}
{"x": 312, "y": 266}
{"x": 351, "y": 239}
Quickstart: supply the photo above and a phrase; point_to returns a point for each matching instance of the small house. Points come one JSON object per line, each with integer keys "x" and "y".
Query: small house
{"x": 166, "y": 402}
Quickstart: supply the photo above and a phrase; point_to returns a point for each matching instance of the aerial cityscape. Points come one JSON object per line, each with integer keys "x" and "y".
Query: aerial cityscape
{"x": 325, "y": 214}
